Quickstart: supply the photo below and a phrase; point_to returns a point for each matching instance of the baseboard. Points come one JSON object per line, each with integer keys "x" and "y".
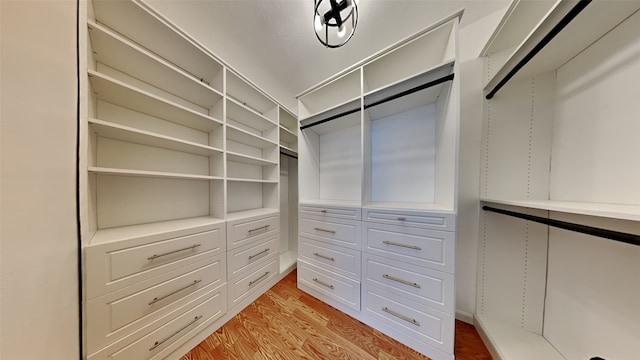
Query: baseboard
{"x": 465, "y": 317}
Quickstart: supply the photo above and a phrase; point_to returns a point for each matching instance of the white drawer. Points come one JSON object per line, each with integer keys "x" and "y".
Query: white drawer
{"x": 328, "y": 285}
{"x": 239, "y": 260}
{"x": 422, "y": 247}
{"x": 247, "y": 284}
{"x": 155, "y": 344}
{"x": 391, "y": 312}
{"x": 340, "y": 232}
{"x": 245, "y": 230}
{"x": 352, "y": 213}
{"x": 335, "y": 258}
{"x": 445, "y": 221}
{"x": 116, "y": 265}
{"x": 120, "y": 313}
{"x": 432, "y": 287}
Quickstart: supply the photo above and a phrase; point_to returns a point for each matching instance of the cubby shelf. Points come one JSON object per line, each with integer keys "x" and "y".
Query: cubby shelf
{"x": 129, "y": 134}
{"x": 247, "y": 116}
{"x": 245, "y": 137}
{"x": 138, "y": 22}
{"x": 590, "y": 24}
{"x": 115, "y": 51}
{"x": 243, "y": 93}
{"x": 251, "y": 160}
{"x": 150, "y": 174}
{"x": 117, "y": 92}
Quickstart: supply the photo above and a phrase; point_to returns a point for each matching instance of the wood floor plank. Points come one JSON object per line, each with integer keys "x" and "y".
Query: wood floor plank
{"x": 285, "y": 323}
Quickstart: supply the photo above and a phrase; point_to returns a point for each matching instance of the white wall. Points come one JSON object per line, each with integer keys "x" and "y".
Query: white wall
{"x": 38, "y": 238}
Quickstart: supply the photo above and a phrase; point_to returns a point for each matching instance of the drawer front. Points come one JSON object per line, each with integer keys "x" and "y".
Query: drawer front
{"x": 335, "y": 258}
{"x": 340, "y": 232}
{"x": 157, "y": 344}
{"x": 244, "y": 231}
{"x": 247, "y": 284}
{"x": 241, "y": 259}
{"x": 331, "y": 212}
{"x": 120, "y": 313}
{"x": 430, "y": 326}
{"x": 126, "y": 265}
{"x": 432, "y": 287}
{"x": 422, "y": 247}
{"x": 327, "y": 284}
{"x": 420, "y": 219}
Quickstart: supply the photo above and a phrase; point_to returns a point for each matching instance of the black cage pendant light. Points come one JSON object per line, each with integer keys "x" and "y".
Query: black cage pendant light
{"x": 334, "y": 21}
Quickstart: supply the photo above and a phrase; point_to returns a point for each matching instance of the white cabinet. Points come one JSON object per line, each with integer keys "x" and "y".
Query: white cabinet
{"x": 180, "y": 185}
{"x": 559, "y": 118}
{"x": 378, "y": 162}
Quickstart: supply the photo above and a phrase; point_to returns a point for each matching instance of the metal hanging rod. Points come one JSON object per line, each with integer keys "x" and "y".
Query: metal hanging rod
{"x": 287, "y": 154}
{"x": 584, "y": 229}
{"x": 387, "y": 99}
{"x": 555, "y": 31}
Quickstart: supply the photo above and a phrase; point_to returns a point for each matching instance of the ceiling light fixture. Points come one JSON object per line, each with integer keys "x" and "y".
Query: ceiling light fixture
{"x": 334, "y": 21}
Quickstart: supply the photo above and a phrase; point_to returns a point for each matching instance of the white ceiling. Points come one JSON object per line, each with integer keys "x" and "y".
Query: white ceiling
{"x": 272, "y": 42}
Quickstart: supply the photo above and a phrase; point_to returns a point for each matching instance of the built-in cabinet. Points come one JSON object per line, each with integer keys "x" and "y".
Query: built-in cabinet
{"x": 378, "y": 162}
{"x": 560, "y": 123}
{"x": 180, "y": 186}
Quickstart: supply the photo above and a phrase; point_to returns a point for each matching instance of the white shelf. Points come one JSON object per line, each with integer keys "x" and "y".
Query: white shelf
{"x": 119, "y": 132}
{"x": 251, "y": 98}
{"x": 614, "y": 211}
{"x": 287, "y": 136}
{"x": 288, "y": 260}
{"x": 136, "y": 21}
{"x": 253, "y": 181}
{"x": 115, "y": 51}
{"x": 506, "y": 342}
{"x": 288, "y": 150}
{"x": 251, "y": 160}
{"x": 135, "y": 231}
{"x": 113, "y": 91}
{"x": 322, "y": 202}
{"x": 335, "y": 93}
{"x": 149, "y": 174}
{"x": 337, "y": 124}
{"x": 250, "y": 213}
{"x": 245, "y": 137}
{"x": 592, "y": 23}
{"x": 247, "y": 116}
{"x": 408, "y": 206}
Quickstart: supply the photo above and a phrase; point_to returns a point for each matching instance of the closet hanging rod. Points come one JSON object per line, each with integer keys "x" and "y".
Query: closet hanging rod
{"x": 287, "y": 154}
{"x": 387, "y": 99}
{"x": 412, "y": 90}
{"x": 536, "y": 49}
{"x": 584, "y": 229}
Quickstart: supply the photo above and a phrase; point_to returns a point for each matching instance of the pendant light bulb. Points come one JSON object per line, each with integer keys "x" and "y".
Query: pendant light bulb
{"x": 341, "y": 31}
{"x": 318, "y": 22}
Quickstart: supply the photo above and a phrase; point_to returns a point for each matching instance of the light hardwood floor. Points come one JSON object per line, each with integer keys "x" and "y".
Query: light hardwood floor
{"x": 286, "y": 323}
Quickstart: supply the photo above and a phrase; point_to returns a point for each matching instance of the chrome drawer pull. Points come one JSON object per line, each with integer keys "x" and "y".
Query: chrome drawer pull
{"x": 402, "y": 218}
{"x": 323, "y": 211}
{"x": 324, "y": 256}
{"x": 415, "y": 285}
{"x": 260, "y": 278}
{"x": 158, "y": 343}
{"x": 323, "y": 283}
{"x": 398, "y": 315}
{"x": 259, "y": 228}
{"x": 260, "y": 253}
{"x": 173, "y": 252}
{"x": 414, "y": 247}
{"x": 156, "y": 299}
{"x": 325, "y": 230}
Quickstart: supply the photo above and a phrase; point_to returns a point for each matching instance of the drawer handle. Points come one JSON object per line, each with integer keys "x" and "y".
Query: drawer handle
{"x": 173, "y": 252}
{"x": 259, "y": 228}
{"x": 400, "y": 316}
{"x": 414, "y": 247}
{"x": 402, "y": 218}
{"x": 324, "y": 256}
{"x": 260, "y": 278}
{"x": 323, "y": 211}
{"x": 258, "y": 254}
{"x": 158, "y": 343}
{"x": 323, "y": 283}
{"x": 156, "y": 299}
{"x": 415, "y": 285}
{"x": 325, "y": 230}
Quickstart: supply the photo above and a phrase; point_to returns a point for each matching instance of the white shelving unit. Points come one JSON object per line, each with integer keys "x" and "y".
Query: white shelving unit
{"x": 182, "y": 186}
{"x": 378, "y": 146}
{"x": 542, "y": 156}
